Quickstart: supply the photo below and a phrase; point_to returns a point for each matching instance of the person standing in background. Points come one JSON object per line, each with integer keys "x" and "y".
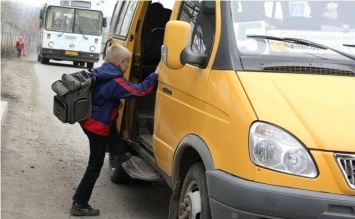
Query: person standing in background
{"x": 20, "y": 46}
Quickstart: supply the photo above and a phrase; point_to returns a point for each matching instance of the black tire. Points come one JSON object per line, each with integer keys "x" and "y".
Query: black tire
{"x": 75, "y": 63}
{"x": 195, "y": 186}
{"x": 89, "y": 65}
{"x": 39, "y": 58}
{"x": 142, "y": 182}
{"x": 118, "y": 175}
{"x": 82, "y": 63}
{"x": 44, "y": 60}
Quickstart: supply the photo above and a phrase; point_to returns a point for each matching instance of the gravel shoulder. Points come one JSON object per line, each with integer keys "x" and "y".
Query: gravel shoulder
{"x": 34, "y": 174}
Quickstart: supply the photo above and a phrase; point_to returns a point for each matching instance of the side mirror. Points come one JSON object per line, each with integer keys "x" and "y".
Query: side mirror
{"x": 104, "y": 22}
{"x": 193, "y": 58}
{"x": 41, "y": 14}
{"x": 173, "y": 46}
{"x": 107, "y": 44}
{"x": 176, "y": 51}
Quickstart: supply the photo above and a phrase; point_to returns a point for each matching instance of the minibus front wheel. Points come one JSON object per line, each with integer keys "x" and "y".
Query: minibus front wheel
{"x": 194, "y": 196}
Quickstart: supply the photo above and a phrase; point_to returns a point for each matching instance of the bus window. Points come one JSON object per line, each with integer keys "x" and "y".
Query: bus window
{"x": 89, "y": 22}
{"x": 60, "y": 19}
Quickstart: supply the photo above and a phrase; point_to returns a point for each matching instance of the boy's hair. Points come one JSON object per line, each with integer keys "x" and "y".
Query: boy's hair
{"x": 117, "y": 52}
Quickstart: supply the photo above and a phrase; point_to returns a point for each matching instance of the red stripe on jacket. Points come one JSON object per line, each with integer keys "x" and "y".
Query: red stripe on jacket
{"x": 133, "y": 91}
{"x": 95, "y": 127}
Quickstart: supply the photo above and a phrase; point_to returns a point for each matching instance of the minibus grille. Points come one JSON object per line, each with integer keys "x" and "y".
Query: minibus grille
{"x": 310, "y": 70}
{"x": 346, "y": 163}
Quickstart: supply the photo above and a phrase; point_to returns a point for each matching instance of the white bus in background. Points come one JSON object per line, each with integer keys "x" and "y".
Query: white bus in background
{"x": 71, "y": 30}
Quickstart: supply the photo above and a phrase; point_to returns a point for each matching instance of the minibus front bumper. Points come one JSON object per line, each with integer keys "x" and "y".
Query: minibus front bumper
{"x": 64, "y": 55}
{"x": 233, "y": 197}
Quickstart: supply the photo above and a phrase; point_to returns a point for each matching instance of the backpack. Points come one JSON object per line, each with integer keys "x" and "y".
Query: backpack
{"x": 73, "y": 100}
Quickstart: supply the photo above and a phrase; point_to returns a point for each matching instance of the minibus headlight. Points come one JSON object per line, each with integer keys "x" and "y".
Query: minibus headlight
{"x": 92, "y": 48}
{"x": 274, "y": 148}
{"x": 51, "y": 44}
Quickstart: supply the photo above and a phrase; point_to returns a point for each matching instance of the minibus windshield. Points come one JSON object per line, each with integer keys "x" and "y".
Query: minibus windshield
{"x": 328, "y": 23}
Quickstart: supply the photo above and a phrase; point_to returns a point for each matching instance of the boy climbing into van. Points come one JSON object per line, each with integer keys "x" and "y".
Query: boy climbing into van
{"x": 111, "y": 86}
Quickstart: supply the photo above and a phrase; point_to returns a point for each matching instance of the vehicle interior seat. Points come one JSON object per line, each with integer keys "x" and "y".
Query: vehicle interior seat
{"x": 153, "y": 36}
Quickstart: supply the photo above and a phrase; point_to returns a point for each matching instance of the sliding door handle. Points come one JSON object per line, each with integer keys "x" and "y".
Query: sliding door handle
{"x": 167, "y": 90}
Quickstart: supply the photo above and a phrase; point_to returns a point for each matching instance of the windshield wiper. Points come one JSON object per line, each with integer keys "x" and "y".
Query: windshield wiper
{"x": 302, "y": 42}
{"x": 81, "y": 31}
{"x": 349, "y": 45}
{"x": 60, "y": 34}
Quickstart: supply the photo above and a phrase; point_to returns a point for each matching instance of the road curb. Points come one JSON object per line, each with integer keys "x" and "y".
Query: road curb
{"x": 3, "y": 111}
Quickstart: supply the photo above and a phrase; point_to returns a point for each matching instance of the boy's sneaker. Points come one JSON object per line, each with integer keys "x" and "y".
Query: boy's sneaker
{"x": 84, "y": 210}
{"x": 117, "y": 161}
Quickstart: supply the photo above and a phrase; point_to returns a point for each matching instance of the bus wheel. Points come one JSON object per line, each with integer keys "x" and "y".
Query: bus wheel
{"x": 82, "y": 63}
{"x": 118, "y": 175}
{"x": 44, "y": 60}
{"x": 39, "y": 58}
{"x": 75, "y": 63}
{"x": 89, "y": 64}
{"x": 194, "y": 196}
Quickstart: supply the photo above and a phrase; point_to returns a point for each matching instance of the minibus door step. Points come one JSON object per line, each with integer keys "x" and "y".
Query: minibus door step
{"x": 138, "y": 168}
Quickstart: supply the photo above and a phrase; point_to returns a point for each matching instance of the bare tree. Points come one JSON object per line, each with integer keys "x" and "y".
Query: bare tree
{"x": 10, "y": 12}
{"x": 18, "y": 19}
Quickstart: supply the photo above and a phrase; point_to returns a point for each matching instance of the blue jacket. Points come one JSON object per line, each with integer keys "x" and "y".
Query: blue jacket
{"x": 110, "y": 87}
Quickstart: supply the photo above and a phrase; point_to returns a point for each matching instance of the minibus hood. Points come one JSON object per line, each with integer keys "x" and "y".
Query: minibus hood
{"x": 319, "y": 110}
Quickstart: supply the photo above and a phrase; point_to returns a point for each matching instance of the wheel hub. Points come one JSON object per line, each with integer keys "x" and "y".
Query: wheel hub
{"x": 191, "y": 207}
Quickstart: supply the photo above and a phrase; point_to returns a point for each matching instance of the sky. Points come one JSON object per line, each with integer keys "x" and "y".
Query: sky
{"x": 38, "y": 3}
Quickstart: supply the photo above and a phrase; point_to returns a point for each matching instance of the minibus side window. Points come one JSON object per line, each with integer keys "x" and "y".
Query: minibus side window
{"x": 125, "y": 19}
{"x": 116, "y": 11}
{"x": 201, "y": 16}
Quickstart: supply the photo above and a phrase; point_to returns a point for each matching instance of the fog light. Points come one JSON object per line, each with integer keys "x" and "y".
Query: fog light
{"x": 50, "y": 44}
{"x": 92, "y": 48}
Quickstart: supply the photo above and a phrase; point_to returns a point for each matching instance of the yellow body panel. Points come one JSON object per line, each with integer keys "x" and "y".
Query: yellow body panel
{"x": 329, "y": 180}
{"x": 219, "y": 106}
{"x": 317, "y": 109}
